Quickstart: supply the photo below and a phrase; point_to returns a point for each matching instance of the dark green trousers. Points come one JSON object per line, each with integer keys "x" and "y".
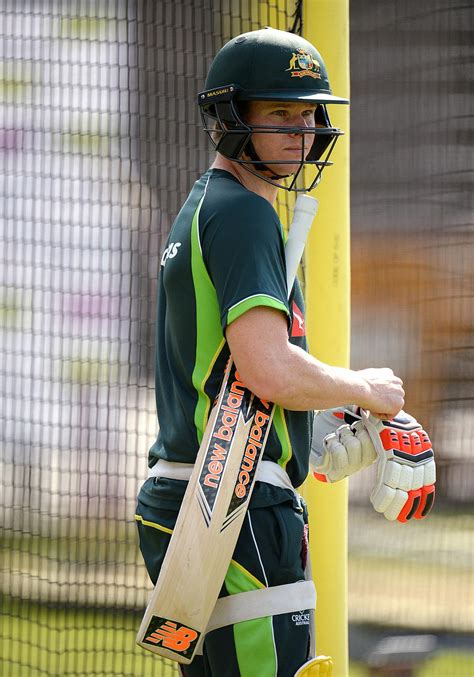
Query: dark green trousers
{"x": 271, "y": 551}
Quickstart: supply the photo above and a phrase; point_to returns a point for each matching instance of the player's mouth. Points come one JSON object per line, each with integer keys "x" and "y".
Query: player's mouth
{"x": 295, "y": 153}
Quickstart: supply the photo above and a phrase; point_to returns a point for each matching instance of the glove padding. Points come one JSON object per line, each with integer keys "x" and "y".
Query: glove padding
{"x": 338, "y": 451}
{"x": 406, "y": 471}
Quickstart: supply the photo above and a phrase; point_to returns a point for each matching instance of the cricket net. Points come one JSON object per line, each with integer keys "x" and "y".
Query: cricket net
{"x": 100, "y": 142}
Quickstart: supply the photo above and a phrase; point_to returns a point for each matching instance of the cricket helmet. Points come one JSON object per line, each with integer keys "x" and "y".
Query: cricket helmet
{"x": 268, "y": 65}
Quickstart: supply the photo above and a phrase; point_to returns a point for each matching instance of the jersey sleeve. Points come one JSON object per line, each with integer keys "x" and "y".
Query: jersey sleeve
{"x": 243, "y": 250}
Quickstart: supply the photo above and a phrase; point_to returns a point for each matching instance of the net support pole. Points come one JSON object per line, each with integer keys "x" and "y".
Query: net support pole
{"x": 326, "y": 25}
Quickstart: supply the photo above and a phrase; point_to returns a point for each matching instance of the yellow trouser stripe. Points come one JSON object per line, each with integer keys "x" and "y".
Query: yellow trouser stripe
{"x": 153, "y": 525}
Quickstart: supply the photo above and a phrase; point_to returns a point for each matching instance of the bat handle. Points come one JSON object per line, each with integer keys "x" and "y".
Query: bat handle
{"x": 303, "y": 216}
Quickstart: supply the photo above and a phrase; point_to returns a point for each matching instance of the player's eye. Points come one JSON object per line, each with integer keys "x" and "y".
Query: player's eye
{"x": 309, "y": 114}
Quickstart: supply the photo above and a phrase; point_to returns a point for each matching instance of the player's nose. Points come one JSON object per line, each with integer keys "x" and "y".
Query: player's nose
{"x": 298, "y": 121}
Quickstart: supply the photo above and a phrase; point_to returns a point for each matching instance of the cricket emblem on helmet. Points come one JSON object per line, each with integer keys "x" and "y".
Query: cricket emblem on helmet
{"x": 303, "y": 63}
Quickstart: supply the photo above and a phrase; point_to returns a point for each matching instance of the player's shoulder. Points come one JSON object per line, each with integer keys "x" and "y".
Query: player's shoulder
{"x": 225, "y": 191}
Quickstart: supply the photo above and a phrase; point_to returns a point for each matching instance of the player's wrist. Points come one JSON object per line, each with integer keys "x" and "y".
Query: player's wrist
{"x": 359, "y": 390}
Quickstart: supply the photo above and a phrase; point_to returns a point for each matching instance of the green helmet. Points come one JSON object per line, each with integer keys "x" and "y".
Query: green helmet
{"x": 271, "y": 65}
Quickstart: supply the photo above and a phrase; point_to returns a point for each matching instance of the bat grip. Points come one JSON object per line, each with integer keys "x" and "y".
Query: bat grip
{"x": 303, "y": 216}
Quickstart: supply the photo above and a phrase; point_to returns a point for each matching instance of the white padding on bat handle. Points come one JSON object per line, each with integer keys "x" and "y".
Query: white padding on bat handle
{"x": 303, "y": 216}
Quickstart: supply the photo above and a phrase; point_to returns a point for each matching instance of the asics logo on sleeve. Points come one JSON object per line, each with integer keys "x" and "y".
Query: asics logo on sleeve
{"x": 170, "y": 252}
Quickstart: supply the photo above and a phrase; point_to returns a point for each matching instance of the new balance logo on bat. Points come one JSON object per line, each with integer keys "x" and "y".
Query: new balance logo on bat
{"x": 172, "y": 636}
{"x": 252, "y": 452}
{"x": 239, "y": 410}
{"x": 236, "y": 404}
{"x": 254, "y": 444}
{"x": 224, "y": 432}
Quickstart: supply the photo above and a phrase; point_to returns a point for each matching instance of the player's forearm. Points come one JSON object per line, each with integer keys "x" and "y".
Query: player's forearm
{"x": 312, "y": 384}
{"x": 300, "y": 382}
{"x": 280, "y": 372}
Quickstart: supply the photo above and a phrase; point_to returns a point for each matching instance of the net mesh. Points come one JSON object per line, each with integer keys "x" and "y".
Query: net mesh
{"x": 412, "y": 296}
{"x": 100, "y": 141}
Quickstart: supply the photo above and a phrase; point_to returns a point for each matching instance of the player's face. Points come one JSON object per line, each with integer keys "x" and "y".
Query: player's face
{"x": 282, "y": 146}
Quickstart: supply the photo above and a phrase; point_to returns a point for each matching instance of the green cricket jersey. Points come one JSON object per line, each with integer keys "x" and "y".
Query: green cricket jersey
{"x": 224, "y": 255}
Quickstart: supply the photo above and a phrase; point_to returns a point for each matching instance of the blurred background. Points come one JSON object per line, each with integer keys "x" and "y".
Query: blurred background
{"x": 100, "y": 142}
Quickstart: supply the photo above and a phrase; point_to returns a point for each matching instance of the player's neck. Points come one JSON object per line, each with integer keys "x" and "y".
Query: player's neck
{"x": 250, "y": 181}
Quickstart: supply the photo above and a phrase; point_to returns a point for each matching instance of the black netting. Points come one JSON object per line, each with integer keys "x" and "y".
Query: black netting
{"x": 413, "y": 300}
{"x": 100, "y": 141}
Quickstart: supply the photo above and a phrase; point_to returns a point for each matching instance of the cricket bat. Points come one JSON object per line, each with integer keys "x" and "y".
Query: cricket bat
{"x": 216, "y": 499}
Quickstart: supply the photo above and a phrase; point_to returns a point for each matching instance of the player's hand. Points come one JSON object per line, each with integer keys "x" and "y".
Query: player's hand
{"x": 406, "y": 471}
{"x": 385, "y": 394}
{"x": 338, "y": 451}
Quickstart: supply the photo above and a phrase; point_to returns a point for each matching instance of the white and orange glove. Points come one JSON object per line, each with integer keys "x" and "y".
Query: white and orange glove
{"x": 338, "y": 451}
{"x": 406, "y": 471}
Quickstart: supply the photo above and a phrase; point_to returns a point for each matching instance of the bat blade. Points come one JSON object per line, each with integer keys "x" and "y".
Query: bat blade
{"x": 208, "y": 523}
{"x": 214, "y": 504}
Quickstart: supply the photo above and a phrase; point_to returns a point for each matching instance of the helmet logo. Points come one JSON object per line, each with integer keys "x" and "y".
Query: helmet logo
{"x": 302, "y": 63}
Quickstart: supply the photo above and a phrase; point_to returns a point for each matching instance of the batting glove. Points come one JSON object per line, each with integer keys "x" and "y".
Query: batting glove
{"x": 338, "y": 451}
{"x": 406, "y": 471}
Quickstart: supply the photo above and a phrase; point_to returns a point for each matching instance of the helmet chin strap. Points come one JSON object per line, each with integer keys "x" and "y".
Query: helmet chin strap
{"x": 253, "y": 155}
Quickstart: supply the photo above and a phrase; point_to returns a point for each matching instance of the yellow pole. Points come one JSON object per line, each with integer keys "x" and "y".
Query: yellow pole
{"x": 326, "y": 25}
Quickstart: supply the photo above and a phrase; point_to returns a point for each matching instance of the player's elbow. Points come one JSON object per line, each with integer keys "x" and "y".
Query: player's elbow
{"x": 265, "y": 379}
{"x": 261, "y": 387}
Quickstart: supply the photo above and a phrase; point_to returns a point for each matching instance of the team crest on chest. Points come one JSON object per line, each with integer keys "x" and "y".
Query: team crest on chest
{"x": 302, "y": 63}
